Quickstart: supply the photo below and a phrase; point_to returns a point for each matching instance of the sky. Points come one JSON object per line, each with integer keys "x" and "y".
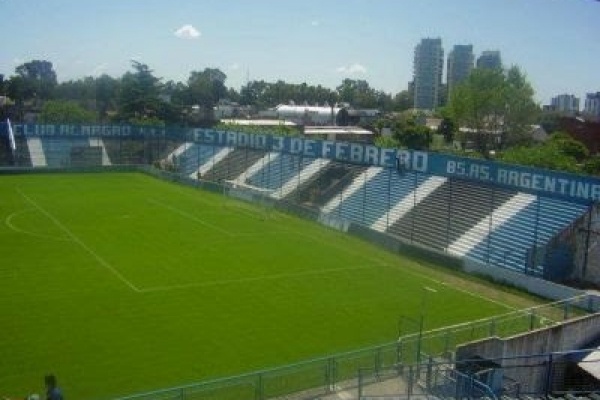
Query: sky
{"x": 556, "y": 43}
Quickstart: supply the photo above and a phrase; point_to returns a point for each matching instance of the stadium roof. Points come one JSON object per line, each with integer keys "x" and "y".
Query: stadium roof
{"x": 336, "y": 130}
{"x": 258, "y": 122}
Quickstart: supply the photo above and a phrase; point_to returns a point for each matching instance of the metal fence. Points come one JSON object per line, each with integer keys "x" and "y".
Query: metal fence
{"x": 411, "y": 357}
{"x": 542, "y": 375}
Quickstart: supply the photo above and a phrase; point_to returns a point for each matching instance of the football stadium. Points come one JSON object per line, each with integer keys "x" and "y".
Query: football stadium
{"x": 173, "y": 263}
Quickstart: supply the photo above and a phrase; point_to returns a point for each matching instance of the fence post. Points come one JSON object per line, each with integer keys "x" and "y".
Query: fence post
{"x": 182, "y": 394}
{"x": 493, "y": 327}
{"x": 330, "y": 375}
{"x": 410, "y": 381}
{"x": 378, "y": 362}
{"x": 428, "y": 373}
{"x": 399, "y": 352}
{"x": 447, "y": 344}
{"x": 360, "y": 382}
{"x": 258, "y": 394}
{"x": 548, "y": 376}
{"x": 531, "y": 320}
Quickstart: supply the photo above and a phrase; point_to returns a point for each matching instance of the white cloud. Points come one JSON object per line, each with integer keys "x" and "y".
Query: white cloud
{"x": 234, "y": 67}
{"x": 354, "y": 69}
{"x": 315, "y": 23}
{"x": 187, "y": 32}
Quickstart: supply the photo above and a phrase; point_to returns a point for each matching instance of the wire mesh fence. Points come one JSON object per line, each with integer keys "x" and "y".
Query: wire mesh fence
{"x": 415, "y": 361}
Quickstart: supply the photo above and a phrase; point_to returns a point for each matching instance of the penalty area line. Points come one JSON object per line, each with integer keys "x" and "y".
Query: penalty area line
{"x": 252, "y": 279}
{"x": 75, "y": 239}
{"x": 189, "y": 216}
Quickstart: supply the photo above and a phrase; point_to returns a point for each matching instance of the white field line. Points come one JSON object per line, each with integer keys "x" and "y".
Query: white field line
{"x": 341, "y": 248}
{"x": 75, "y": 239}
{"x": 189, "y": 216}
{"x": 11, "y": 225}
{"x": 445, "y": 284}
{"x": 518, "y": 312}
{"x": 252, "y": 279}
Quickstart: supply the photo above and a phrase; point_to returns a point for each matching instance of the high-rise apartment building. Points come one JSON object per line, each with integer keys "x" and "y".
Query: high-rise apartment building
{"x": 565, "y": 103}
{"x": 460, "y": 64}
{"x": 428, "y": 70}
{"x": 592, "y": 105}
{"x": 490, "y": 59}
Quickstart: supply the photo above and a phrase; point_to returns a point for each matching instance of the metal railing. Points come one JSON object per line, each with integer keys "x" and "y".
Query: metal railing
{"x": 322, "y": 376}
{"x": 555, "y": 374}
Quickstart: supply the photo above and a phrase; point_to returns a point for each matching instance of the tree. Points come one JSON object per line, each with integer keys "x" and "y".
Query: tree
{"x": 592, "y": 165}
{"x": 520, "y": 111}
{"x": 39, "y": 79}
{"x": 565, "y": 144}
{"x": 496, "y": 107}
{"x": 107, "y": 94}
{"x": 359, "y": 94}
{"x": 448, "y": 127}
{"x": 387, "y": 142}
{"x": 541, "y": 156}
{"x": 61, "y": 112}
{"x": 402, "y": 101}
{"x": 411, "y": 134}
{"x": 206, "y": 87}
{"x": 138, "y": 95}
{"x": 561, "y": 152}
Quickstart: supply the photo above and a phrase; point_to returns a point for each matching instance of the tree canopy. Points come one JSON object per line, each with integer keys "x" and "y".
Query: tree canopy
{"x": 65, "y": 111}
{"x": 496, "y": 107}
{"x": 560, "y": 152}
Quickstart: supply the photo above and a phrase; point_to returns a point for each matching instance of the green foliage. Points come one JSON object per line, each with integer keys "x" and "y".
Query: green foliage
{"x": 261, "y": 94}
{"x": 61, "y": 112}
{"x": 592, "y": 165}
{"x": 138, "y": 95}
{"x": 39, "y": 79}
{"x": 561, "y": 152}
{"x": 402, "y": 101}
{"x": 387, "y": 142}
{"x": 412, "y": 134}
{"x": 496, "y": 106}
{"x": 568, "y": 146}
{"x": 542, "y": 156}
{"x": 447, "y": 129}
{"x": 206, "y": 87}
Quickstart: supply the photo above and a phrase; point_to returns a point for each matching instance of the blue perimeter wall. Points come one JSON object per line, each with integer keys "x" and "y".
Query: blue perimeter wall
{"x": 570, "y": 187}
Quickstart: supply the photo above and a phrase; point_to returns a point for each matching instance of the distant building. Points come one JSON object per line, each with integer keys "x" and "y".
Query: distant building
{"x": 428, "y": 70}
{"x": 229, "y": 109}
{"x": 460, "y": 64}
{"x": 565, "y": 103}
{"x": 592, "y": 106}
{"x": 490, "y": 59}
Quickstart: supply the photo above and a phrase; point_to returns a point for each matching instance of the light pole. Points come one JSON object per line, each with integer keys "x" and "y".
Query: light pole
{"x": 423, "y": 311}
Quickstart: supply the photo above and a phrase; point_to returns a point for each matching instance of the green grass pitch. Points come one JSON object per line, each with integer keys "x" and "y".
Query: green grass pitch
{"x": 120, "y": 283}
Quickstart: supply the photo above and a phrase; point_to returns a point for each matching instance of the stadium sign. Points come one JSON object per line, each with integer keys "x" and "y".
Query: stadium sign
{"x": 49, "y": 130}
{"x": 571, "y": 187}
